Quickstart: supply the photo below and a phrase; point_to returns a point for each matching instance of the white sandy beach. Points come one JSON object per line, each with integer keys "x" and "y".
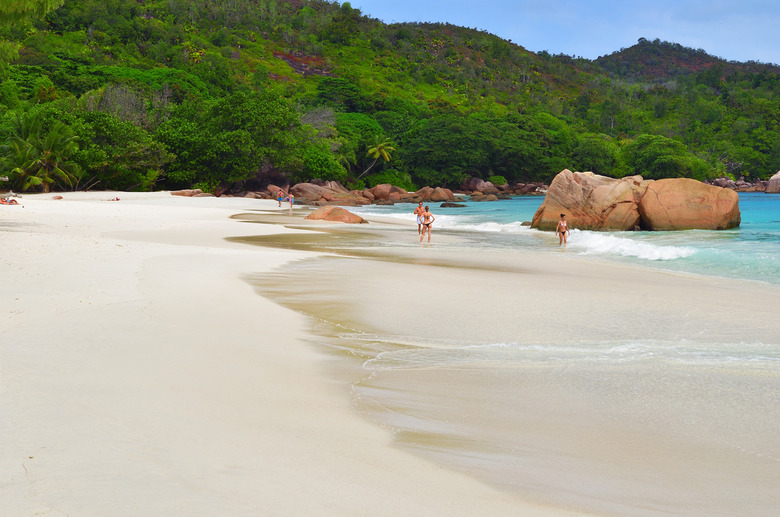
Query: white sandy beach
{"x": 141, "y": 374}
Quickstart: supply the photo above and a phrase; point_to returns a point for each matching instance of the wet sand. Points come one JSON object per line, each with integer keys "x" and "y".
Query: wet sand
{"x": 554, "y": 377}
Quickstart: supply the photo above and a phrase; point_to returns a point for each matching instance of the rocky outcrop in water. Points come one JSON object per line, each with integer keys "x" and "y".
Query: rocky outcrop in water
{"x": 435, "y": 195}
{"x": 593, "y": 202}
{"x": 773, "y": 186}
{"x": 683, "y": 204}
{"x": 478, "y": 187}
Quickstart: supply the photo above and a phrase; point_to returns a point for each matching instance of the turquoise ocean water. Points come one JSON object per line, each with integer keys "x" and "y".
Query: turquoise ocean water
{"x": 687, "y": 424}
{"x": 751, "y": 251}
{"x": 656, "y": 413}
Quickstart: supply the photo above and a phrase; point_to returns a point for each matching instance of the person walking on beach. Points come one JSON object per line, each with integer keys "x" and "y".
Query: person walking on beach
{"x": 419, "y": 212}
{"x": 562, "y": 229}
{"x": 291, "y": 198}
{"x": 427, "y": 221}
{"x": 280, "y": 196}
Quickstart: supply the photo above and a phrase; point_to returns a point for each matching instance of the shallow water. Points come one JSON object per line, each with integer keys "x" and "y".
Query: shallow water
{"x": 747, "y": 252}
{"x": 462, "y": 352}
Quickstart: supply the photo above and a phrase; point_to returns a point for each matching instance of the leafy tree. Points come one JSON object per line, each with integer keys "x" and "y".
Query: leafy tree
{"x": 358, "y": 132}
{"x": 14, "y": 11}
{"x": 497, "y": 180}
{"x": 229, "y": 140}
{"x": 393, "y": 177}
{"x": 447, "y": 147}
{"x": 656, "y": 157}
{"x": 38, "y": 158}
{"x": 341, "y": 94}
{"x": 118, "y": 155}
{"x": 9, "y": 94}
{"x": 319, "y": 163}
{"x": 597, "y": 153}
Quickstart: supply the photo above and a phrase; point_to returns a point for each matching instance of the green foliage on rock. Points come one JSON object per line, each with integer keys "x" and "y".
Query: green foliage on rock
{"x": 393, "y": 177}
{"x": 656, "y": 157}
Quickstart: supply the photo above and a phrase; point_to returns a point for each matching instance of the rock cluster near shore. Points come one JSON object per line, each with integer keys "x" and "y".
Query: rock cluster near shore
{"x": 770, "y": 186}
{"x": 593, "y": 202}
{"x": 322, "y": 193}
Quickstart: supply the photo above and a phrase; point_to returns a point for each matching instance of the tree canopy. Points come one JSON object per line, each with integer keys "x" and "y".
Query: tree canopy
{"x": 224, "y": 94}
{"x": 16, "y": 10}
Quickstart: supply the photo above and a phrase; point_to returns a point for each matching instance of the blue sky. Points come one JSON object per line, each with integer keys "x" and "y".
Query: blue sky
{"x": 735, "y": 30}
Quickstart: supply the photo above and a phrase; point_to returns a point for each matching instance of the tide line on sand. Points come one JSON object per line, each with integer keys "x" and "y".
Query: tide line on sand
{"x": 140, "y": 374}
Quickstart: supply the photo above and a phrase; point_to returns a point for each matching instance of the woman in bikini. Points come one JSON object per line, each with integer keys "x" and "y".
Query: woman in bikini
{"x": 428, "y": 219}
{"x": 562, "y": 229}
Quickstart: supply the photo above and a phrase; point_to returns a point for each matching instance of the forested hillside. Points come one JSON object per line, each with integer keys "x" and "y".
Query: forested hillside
{"x": 221, "y": 94}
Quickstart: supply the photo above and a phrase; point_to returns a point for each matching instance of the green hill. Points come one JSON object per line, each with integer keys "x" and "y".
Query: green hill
{"x": 219, "y": 94}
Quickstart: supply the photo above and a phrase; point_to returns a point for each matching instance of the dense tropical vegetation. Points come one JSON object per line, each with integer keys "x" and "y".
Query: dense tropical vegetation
{"x": 232, "y": 94}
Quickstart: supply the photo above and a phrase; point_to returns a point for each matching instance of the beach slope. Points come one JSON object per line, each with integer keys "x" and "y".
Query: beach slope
{"x": 141, "y": 374}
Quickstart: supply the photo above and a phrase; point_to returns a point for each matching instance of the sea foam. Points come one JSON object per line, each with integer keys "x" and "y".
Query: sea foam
{"x": 596, "y": 243}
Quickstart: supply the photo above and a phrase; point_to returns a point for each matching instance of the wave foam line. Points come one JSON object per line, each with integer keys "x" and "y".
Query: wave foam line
{"x": 602, "y": 244}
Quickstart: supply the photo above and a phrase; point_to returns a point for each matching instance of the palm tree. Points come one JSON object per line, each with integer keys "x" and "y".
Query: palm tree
{"x": 381, "y": 149}
{"x": 52, "y": 152}
{"x": 39, "y": 159}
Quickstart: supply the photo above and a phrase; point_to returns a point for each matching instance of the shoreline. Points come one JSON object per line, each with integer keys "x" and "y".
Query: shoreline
{"x": 409, "y": 319}
{"x": 141, "y": 374}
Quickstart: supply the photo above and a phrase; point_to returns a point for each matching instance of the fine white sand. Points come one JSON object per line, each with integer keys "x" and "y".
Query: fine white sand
{"x": 140, "y": 374}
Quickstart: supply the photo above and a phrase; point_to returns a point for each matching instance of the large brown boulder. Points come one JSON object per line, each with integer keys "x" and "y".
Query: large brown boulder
{"x": 190, "y": 192}
{"x": 435, "y": 194}
{"x": 366, "y": 193}
{"x": 385, "y": 191}
{"x": 274, "y": 190}
{"x": 591, "y": 202}
{"x": 335, "y": 214}
{"x": 773, "y": 187}
{"x": 725, "y": 183}
{"x": 483, "y": 197}
{"x": 308, "y": 192}
{"x": 335, "y": 185}
{"x": 332, "y": 194}
{"x": 478, "y": 185}
{"x": 472, "y": 184}
{"x": 685, "y": 204}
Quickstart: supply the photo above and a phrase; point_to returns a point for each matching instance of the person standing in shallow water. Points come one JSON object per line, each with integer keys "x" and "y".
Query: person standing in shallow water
{"x": 419, "y": 212}
{"x": 280, "y": 196}
{"x": 291, "y": 198}
{"x": 562, "y": 229}
{"x": 427, "y": 221}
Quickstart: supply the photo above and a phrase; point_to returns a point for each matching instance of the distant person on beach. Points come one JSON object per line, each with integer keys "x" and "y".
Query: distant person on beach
{"x": 291, "y": 199}
{"x": 427, "y": 221}
{"x": 8, "y": 201}
{"x": 419, "y": 212}
{"x": 280, "y": 196}
{"x": 562, "y": 229}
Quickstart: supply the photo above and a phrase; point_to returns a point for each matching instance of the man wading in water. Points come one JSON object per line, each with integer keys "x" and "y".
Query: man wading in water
{"x": 419, "y": 212}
